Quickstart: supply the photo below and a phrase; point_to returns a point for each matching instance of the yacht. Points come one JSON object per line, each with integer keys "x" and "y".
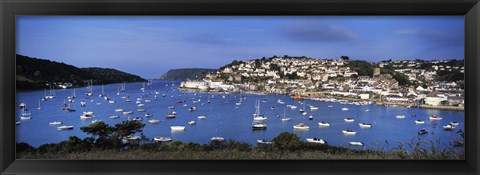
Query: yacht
{"x": 349, "y": 132}
{"x": 365, "y": 125}
{"x": 301, "y": 126}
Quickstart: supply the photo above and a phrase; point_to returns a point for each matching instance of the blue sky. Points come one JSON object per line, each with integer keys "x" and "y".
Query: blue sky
{"x": 151, "y": 45}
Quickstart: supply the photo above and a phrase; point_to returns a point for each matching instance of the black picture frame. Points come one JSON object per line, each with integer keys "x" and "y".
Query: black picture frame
{"x": 12, "y": 8}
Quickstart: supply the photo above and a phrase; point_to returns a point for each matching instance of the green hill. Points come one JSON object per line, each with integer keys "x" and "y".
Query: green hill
{"x": 188, "y": 73}
{"x": 35, "y": 73}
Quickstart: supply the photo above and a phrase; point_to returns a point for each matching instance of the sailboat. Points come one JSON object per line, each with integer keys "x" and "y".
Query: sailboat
{"x": 103, "y": 92}
{"x": 39, "y": 105}
{"x": 89, "y": 93}
{"x": 25, "y": 115}
{"x": 256, "y": 125}
{"x": 118, "y": 90}
{"x": 171, "y": 114}
{"x": 52, "y": 93}
{"x": 284, "y": 118}
{"x": 123, "y": 87}
{"x": 257, "y": 115}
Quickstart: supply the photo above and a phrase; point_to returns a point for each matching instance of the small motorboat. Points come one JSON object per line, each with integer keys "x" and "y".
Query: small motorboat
{"x": 202, "y": 117}
{"x": 434, "y": 117}
{"x": 349, "y": 132}
{"x": 85, "y": 116}
{"x": 56, "y": 123}
{"x": 301, "y": 126}
{"x": 356, "y": 143}
{"x": 313, "y": 108}
{"x": 95, "y": 121}
{"x": 25, "y": 117}
{"x": 263, "y": 141}
{"x": 192, "y": 122}
{"x": 127, "y": 112}
{"x": 454, "y": 123}
{"x": 422, "y": 131}
{"x": 345, "y": 109}
{"x": 88, "y": 113}
{"x": 400, "y": 116}
{"x": 315, "y": 140}
{"x": 349, "y": 120}
{"x": 193, "y": 108}
{"x": 177, "y": 128}
{"x": 17, "y": 123}
{"x": 138, "y": 119}
{"x": 114, "y": 116}
{"x": 448, "y": 127}
{"x": 153, "y": 121}
{"x": 330, "y": 106}
{"x": 61, "y": 128}
{"x": 310, "y": 118}
{"x": 286, "y": 119}
{"x": 220, "y": 139}
{"x": 323, "y": 124}
{"x": 118, "y": 110}
{"x": 162, "y": 139}
{"x": 171, "y": 107}
{"x": 148, "y": 115}
{"x": 140, "y": 105}
{"x": 419, "y": 122}
{"x": 365, "y": 125}
{"x": 259, "y": 126}
{"x": 185, "y": 105}
{"x": 171, "y": 115}
{"x": 293, "y": 107}
{"x": 142, "y": 110}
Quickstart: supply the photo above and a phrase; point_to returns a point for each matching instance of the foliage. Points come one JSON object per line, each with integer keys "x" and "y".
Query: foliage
{"x": 34, "y": 73}
{"x": 111, "y": 137}
{"x": 286, "y": 141}
{"x": 363, "y": 68}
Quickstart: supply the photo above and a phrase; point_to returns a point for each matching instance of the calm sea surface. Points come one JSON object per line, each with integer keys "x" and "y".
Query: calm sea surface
{"x": 225, "y": 120}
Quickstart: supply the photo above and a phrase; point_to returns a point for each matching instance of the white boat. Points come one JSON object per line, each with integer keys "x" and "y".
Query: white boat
{"x": 263, "y": 141}
{"x": 95, "y": 121}
{"x": 148, "y": 115}
{"x": 138, "y": 102}
{"x": 454, "y": 123}
{"x": 25, "y": 117}
{"x": 162, "y": 139}
{"x": 138, "y": 119}
{"x": 293, "y": 107}
{"x": 400, "y": 116}
{"x": 330, "y": 106}
{"x": 284, "y": 118}
{"x": 83, "y": 104}
{"x": 344, "y": 109}
{"x": 349, "y": 132}
{"x": 153, "y": 121}
{"x": 177, "y": 128}
{"x": 315, "y": 140}
{"x": 349, "y": 120}
{"x": 56, "y": 123}
{"x": 127, "y": 112}
{"x": 217, "y": 139}
{"x": 61, "y": 128}
{"x": 202, "y": 117}
{"x": 434, "y": 117}
{"x": 118, "y": 110}
{"x": 17, "y": 123}
{"x": 148, "y": 101}
{"x": 356, "y": 143}
{"x": 365, "y": 125}
{"x": 238, "y": 103}
{"x": 140, "y": 105}
{"x": 171, "y": 107}
{"x": 171, "y": 114}
{"x": 280, "y": 101}
{"x": 111, "y": 101}
{"x": 304, "y": 113}
{"x": 142, "y": 110}
{"x": 419, "y": 122}
{"x": 301, "y": 126}
{"x": 448, "y": 127}
{"x": 114, "y": 116}
{"x": 132, "y": 137}
{"x": 85, "y": 116}
{"x": 323, "y": 124}
{"x": 313, "y": 108}
{"x": 193, "y": 108}
{"x": 259, "y": 126}
{"x": 88, "y": 113}
{"x": 192, "y": 122}
{"x": 185, "y": 105}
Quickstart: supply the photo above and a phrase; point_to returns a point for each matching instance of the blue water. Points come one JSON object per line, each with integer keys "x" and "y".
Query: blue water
{"x": 225, "y": 121}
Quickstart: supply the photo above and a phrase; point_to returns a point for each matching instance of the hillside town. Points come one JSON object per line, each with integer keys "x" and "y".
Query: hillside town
{"x": 435, "y": 84}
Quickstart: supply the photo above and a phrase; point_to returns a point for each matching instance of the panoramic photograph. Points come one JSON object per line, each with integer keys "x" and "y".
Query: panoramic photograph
{"x": 240, "y": 87}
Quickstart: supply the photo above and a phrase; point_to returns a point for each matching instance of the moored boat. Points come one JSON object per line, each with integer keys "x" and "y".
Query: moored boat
{"x": 220, "y": 139}
{"x": 114, "y": 116}
{"x": 349, "y": 132}
{"x": 153, "y": 121}
{"x": 356, "y": 143}
{"x": 365, "y": 125}
{"x": 400, "y": 116}
{"x": 301, "y": 126}
{"x": 162, "y": 139}
{"x": 177, "y": 128}
{"x": 434, "y": 117}
{"x": 56, "y": 123}
{"x": 316, "y": 140}
{"x": 422, "y": 131}
{"x": 419, "y": 122}
{"x": 349, "y": 120}
{"x": 323, "y": 124}
{"x": 61, "y": 128}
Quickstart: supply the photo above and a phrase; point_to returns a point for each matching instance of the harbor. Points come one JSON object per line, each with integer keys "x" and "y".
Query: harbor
{"x": 229, "y": 115}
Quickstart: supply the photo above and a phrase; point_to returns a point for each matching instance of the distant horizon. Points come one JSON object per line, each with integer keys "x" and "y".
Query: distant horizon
{"x": 149, "y": 46}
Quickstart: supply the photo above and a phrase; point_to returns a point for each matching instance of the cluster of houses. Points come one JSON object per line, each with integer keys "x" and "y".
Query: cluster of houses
{"x": 316, "y": 78}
